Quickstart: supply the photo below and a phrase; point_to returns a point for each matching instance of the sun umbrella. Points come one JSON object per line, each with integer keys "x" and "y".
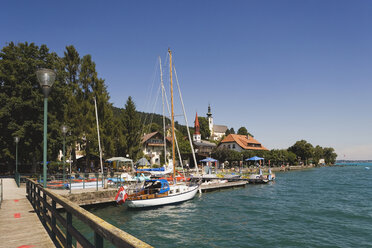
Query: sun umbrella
{"x": 255, "y": 158}
{"x": 208, "y": 160}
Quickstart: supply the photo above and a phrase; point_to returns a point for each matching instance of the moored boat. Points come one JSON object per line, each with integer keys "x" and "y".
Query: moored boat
{"x": 158, "y": 192}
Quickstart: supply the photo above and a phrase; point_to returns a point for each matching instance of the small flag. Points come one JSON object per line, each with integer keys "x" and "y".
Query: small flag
{"x": 121, "y": 196}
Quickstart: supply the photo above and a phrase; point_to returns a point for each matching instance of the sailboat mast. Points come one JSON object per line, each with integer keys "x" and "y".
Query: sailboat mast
{"x": 99, "y": 140}
{"x": 171, "y": 86}
{"x": 162, "y": 96}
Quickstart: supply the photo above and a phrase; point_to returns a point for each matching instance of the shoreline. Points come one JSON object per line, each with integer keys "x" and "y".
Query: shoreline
{"x": 264, "y": 169}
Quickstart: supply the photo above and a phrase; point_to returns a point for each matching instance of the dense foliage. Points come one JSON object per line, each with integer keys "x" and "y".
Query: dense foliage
{"x": 204, "y": 128}
{"x": 300, "y": 152}
{"x": 71, "y": 102}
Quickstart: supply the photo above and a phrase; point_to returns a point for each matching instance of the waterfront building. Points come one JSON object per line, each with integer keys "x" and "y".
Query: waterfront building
{"x": 240, "y": 143}
{"x": 203, "y": 148}
{"x": 217, "y": 131}
{"x": 153, "y": 146}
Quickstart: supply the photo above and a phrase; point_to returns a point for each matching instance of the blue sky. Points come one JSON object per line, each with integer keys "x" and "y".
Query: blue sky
{"x": 286, "y": 70}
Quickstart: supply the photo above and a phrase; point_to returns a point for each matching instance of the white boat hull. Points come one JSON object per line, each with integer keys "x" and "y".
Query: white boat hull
{"x": 170, "y": 199}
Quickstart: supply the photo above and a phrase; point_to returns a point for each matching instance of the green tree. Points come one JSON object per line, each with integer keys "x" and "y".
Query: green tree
{"x": 204, "y": 128}
{"x": 21, "y": 102}
{"x": 221, "y": 154}
{"x": 329, "y": 155}
{"x": 153, "y": 127}
{"x": 233, "y": 156}
{"x": 184, "y": 145}
{"x": 242, "y": 131}
{"x": 72, "y": 113}
{"x": 302, "y": 149}
{"x": 318, "y": 154}
{"x": 87, "y": 128}
{"x": 131, "y": 130}
{"x": 230, "y": 131}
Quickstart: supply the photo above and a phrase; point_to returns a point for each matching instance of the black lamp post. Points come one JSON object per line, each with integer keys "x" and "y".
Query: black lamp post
{"x": 46, "y": 79}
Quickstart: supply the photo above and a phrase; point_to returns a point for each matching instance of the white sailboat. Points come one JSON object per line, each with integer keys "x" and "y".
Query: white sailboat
{"x": 158, "y": 192}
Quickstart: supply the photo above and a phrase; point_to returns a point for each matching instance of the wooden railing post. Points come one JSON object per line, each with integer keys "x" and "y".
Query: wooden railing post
{"x": 54, "y": 206}
{"x": 68, "y": 234}
{"x": 44, "y": 201}
{"x": 37, "y": 196}
{"x": 34, "y": 194}
{"x": 98, "y": 240}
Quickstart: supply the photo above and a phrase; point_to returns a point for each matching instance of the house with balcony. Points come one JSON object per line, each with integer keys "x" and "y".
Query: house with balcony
{"x": 153, "y": 146}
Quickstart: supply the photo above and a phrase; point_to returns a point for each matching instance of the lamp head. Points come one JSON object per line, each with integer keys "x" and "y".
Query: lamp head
{"x": 64, "y": 129}
{"x": 16, "y": 139}
{"x": 46, "y": 78}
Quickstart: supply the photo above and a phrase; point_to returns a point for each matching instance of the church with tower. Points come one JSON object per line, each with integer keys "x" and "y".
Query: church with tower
{"x": 203, "y": 148}
{"x": 217, "y": 131}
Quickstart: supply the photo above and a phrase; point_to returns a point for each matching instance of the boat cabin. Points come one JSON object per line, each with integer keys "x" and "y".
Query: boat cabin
{"x": 159, "y": 186}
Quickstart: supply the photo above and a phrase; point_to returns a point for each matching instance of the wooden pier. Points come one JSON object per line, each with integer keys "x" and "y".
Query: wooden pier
{"x": 19, "y": 224}
{"x": 217, "y": 186}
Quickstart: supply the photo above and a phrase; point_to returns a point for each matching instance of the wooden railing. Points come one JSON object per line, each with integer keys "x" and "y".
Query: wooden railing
{"x": 17, "y": 178}
{"x": 1, "y": 191}
{"x": 54, "y": 222}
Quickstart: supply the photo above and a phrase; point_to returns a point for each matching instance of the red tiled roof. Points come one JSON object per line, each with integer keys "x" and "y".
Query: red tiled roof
{"x": 244, "y": 142}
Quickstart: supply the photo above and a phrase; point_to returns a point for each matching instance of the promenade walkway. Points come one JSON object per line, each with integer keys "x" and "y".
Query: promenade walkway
{"x": 19, "y": 224}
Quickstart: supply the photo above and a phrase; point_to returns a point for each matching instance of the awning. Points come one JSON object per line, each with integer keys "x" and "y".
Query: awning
{"x": 121, "y": 159}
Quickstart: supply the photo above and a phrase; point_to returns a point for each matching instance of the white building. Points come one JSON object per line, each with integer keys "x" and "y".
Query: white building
{"x": 241, "y": 143}
{"x": 217, "y": 131}
{"x": 153, "y": 146}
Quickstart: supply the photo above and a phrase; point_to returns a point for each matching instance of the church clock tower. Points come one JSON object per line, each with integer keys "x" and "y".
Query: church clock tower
{"x": 210, "y": 120}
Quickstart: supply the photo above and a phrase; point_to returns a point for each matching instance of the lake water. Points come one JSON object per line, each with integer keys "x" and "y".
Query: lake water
{"x": 320, "y": 207}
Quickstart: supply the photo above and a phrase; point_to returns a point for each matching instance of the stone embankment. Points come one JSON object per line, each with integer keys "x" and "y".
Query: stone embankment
{"x": 84, "y": 197}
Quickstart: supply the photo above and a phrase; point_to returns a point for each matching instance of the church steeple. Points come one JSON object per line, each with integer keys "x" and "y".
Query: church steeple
{"x": 209, "y": 114}
{"x": 210, "y": 120}
{"x": 196, "y": 136}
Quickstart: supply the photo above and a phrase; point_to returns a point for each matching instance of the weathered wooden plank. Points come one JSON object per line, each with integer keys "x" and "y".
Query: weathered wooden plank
{"x": 216, "y": 186}
{"x": 25, "y": 230}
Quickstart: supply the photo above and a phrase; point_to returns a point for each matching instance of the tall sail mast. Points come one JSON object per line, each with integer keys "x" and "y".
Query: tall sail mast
{"x": 171, "y": 86}
{"x": 99, "y": 140}
{"x": 162, "y": 96}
